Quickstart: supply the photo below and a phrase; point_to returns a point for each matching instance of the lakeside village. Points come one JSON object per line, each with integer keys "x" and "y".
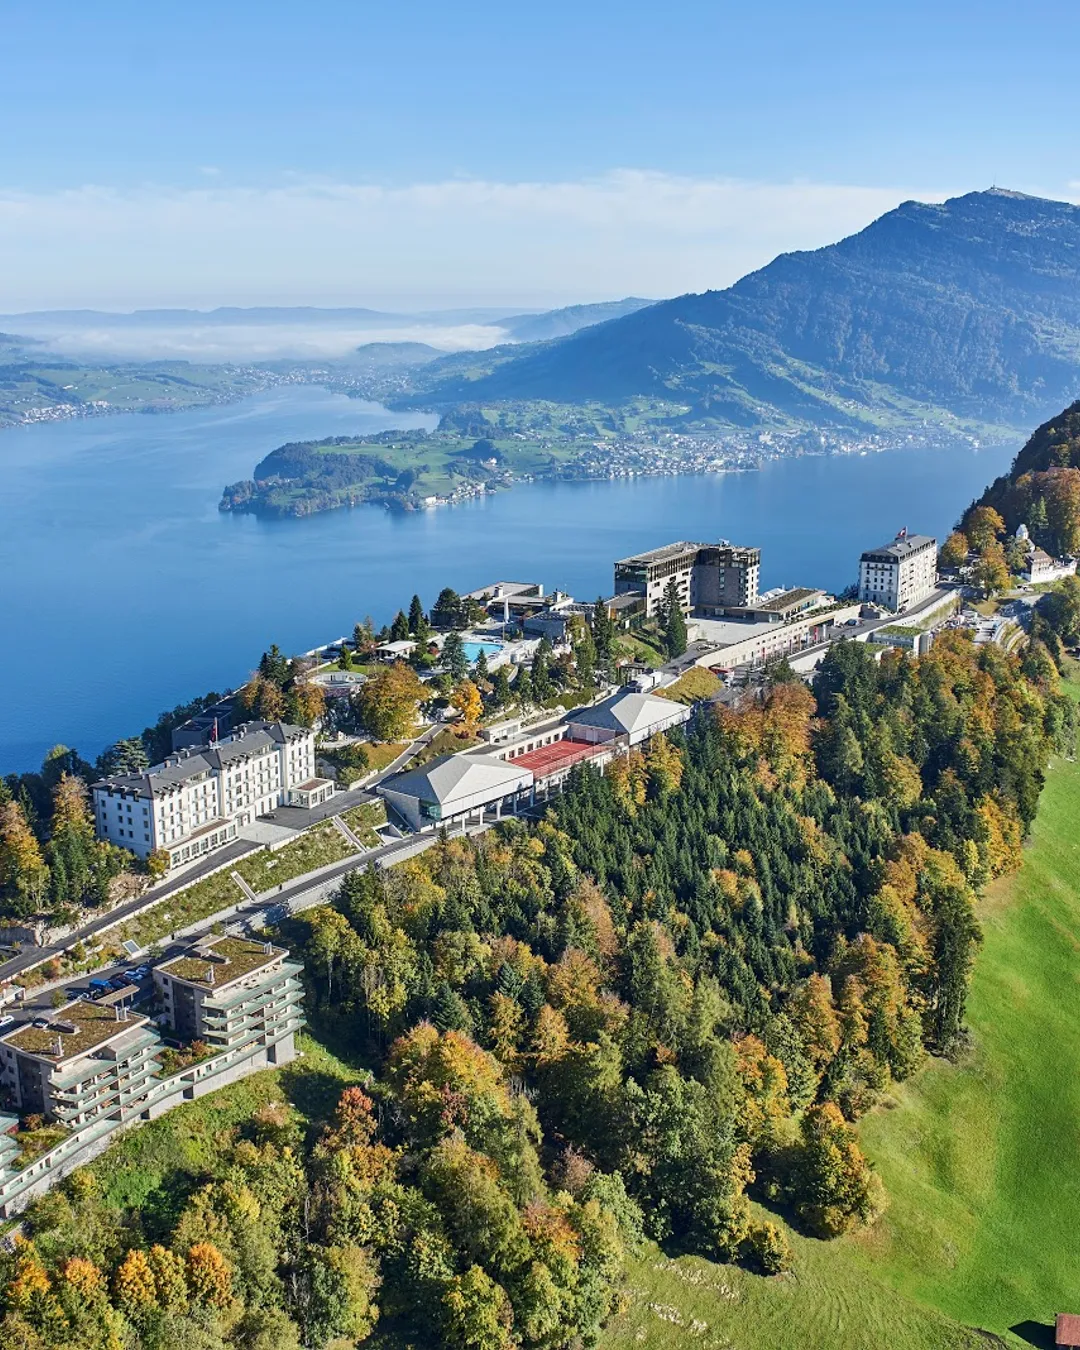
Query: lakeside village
{"x": 472, "y": 701}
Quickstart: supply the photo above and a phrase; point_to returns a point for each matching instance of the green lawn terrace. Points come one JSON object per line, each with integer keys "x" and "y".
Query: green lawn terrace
{"x": 226, "y": 960}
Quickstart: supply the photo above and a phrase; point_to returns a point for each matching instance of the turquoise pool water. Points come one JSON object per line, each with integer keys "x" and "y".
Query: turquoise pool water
{"x": 473, "y": 650}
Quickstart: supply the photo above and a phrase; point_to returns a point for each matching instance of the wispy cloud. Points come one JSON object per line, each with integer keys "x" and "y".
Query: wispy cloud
{"x": 457, "y": 241}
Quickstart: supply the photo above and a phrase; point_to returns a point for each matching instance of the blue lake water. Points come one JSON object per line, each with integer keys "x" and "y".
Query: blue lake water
{"x": 125, "y": 591}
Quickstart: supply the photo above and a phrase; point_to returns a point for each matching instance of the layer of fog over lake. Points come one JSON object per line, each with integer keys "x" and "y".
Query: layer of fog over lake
{"x": 248, "y": 335}
{"x": 135, "y": 593}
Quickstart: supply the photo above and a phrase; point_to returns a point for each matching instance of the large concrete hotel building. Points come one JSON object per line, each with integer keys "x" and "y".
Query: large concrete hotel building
{"x": 200, "y": 797}
{"x": 710, "y": 578}
{"x": 899, "y": 574}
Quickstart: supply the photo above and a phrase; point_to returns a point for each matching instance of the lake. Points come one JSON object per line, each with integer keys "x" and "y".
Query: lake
{"x": 126, "y": 591}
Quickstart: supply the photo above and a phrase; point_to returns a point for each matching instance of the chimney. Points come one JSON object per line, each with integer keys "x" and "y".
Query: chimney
{"x": 59, "y": 1047}
{"x": 209, "y": 974}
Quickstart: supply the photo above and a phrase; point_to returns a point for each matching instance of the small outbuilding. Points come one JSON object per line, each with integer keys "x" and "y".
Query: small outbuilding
{"x": 1067, "y": 1331}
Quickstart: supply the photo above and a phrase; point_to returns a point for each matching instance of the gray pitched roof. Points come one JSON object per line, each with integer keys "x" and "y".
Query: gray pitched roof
{"x": 453, "y": 777}
{"x": 251, "y": 738}
{"x": 627, "y": 713}
{"x": 898, "y": 548}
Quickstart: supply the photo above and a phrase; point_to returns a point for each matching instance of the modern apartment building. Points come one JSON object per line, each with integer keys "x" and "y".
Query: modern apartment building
{"x": 649, "y": 574}
{"x": 199, "y": 797}
{"x": 900, "y": 574}
{"x": 233, "y": 993}
{"x": 710, "y": 578}
{"x": 92, "y": 1060}
{"x": 98, "y": 1068}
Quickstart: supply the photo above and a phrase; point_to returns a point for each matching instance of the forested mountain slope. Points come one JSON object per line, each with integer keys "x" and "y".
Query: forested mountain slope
{"x": 675, "y": 993}
{"x": 970, "y": 307}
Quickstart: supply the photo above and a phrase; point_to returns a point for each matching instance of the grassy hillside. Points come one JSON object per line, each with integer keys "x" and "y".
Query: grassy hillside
{"x": 964, "y": 309}
{"x": 981, "y": 1159}
{"x": 978, "y": 1158}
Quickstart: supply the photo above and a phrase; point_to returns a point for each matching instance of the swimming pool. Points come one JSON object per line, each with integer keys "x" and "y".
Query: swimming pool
{"x": 473, "y": 650}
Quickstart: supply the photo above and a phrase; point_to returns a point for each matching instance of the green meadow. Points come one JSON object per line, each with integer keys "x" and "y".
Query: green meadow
{"x": 980, "y": 1159}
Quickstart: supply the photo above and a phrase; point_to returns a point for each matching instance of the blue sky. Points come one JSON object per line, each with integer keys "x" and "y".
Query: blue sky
{"x": 415, "y": 153}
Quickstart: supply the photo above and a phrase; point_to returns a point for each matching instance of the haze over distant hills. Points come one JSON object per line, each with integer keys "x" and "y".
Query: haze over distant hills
{"x": 966, "y": 309}
{"x": 231, "y": 333}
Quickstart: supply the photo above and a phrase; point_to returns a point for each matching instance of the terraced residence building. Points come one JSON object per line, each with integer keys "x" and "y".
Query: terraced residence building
{"x": 234, "y": 993}
{"x": 92, "y": 1061}
{"x": 98, "y": 1067}
{"x": 200, "y": 797}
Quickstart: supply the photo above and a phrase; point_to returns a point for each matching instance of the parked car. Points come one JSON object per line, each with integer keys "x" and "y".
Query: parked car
{"x": 6, "y": 1021}
{"x": 142, "y": 972}
{"x": 40, "y": 1024}
{"x": 119, "y": 982}
{"x": 99, "y": 987}
{"x": 132, "y": 975}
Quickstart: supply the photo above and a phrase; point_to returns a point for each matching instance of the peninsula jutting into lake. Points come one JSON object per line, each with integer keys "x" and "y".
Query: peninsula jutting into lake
{"x": 538, "y": 806}
{"x": 163, "y": 476}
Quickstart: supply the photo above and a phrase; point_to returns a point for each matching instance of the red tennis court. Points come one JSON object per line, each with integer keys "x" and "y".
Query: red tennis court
{"x": 549, "y": 759}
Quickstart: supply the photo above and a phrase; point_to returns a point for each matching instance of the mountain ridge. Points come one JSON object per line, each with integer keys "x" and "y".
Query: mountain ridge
{"x": 968, "y": 308}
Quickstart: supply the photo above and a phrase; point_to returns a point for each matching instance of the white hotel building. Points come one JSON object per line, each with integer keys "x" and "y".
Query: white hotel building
{"x": 200, "y": 797}
{"x": 901, "y": 574}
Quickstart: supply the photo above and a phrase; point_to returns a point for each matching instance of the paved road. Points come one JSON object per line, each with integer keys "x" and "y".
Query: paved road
{"x": 32, "y": 956}
{"x": 293, "y": 898}
{"x": 287, "y": 816}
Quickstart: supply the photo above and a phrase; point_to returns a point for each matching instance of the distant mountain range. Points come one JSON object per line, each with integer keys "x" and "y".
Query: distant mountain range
{"x": 965, "y": 310}
{"x": 557, "y": 323}
{"x": 303, "y": 333}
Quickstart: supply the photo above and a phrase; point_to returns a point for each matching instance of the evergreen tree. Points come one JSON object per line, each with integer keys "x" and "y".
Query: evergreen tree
{"x": 416, "y": 615}
{"x": 542, "y": 686}
{"x": 126, "y": 756}
{"x": 672, "y": 620}
{"x": 523, "y": 687}
{"x": 399, "y": 629}
{"x": 502, "y": 692}
{"x": 274, "y": 666}
{"x": 585, "y": 659}
{"x": 448, "y": 610}
{"x": 603, "y": 630}
{"x": 454, "y": 658}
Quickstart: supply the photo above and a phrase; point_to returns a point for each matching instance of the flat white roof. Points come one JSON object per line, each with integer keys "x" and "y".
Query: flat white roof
{"x": 725, "y": 632}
